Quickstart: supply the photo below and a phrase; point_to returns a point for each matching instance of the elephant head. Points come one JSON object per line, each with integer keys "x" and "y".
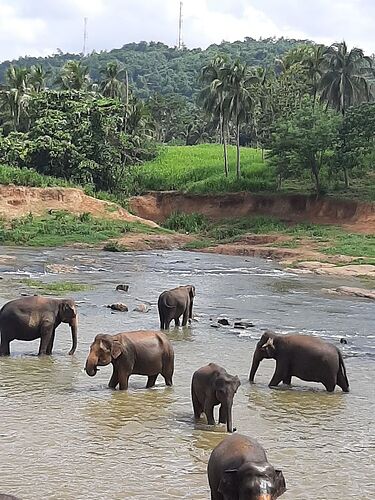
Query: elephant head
{"x": 265, "y": 349}
{"x": 103, "y": 351}
{"x": 225, "y": 389}
{"x": 68, "y": 314}
{"x": 252, "y": 482}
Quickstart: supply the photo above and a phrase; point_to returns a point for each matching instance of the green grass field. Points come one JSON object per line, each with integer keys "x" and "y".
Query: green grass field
{"x": 199, "y": 169}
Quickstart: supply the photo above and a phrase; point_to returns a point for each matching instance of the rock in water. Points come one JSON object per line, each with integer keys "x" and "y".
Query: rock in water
{"x": 223, "y": 321}
{"x": 119, "y": 307}
{"x": 243, "y": 323}
{"x": 142, "y": 308}
{"x": 122, "y": 288}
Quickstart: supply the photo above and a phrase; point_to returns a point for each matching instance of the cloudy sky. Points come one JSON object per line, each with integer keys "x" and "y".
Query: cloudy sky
{"x": 39, "y": 27}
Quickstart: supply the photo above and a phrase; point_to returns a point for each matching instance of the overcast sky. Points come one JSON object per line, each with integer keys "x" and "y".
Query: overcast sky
{"x": 39, "y": 27}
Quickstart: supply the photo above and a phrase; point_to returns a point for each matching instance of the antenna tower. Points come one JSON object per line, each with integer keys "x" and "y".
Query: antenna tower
{"x": 84, "y": 36}
{"x": 180, "y": 42}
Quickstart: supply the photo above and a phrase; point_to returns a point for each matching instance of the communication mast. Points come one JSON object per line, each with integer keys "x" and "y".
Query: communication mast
{"x": 84, "y": 36}
{"x": 180, "y": 41}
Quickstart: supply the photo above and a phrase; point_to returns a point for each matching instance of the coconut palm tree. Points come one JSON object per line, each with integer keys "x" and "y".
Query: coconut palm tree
{"x": 74, "y": 76}
{"x": 213, "y": 98}
{"x": 38, "y": 77}
{"x": 15, "y": 97}
{"x": 347, "y": 77}
{"x": 314, "y": 63}
{"x": 111, "y": 85}
{"x": 239, "y": 100}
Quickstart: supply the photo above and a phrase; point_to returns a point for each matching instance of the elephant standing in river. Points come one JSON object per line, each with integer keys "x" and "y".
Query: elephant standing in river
{"x": 306, "y": 357}
{"x": 141, "y": 353}
{"x": 29, "y": 318}
{"x": 212, "y": 385}
{"x": 172, "y": 304}
{"x": 238, "y": 469}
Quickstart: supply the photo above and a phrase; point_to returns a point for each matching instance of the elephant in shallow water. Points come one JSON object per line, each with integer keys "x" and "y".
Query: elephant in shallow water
{"x": 303, "y": 356}
{"x": 29, "y": 318}
{"x": 172, "y": 304}
{"x": 140, "y": 352}
{"x": 238, "y": 469}
{"x": 212, "y": 385}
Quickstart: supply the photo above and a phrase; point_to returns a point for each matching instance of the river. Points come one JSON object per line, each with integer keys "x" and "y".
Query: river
{"x": 64, "y": 435}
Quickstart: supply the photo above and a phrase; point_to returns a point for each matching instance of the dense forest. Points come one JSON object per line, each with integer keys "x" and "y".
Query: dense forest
{"x": 309, "y": 108}
{"x": 156, "y": 68}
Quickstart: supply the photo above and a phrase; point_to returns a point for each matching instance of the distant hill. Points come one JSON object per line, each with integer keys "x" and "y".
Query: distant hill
{"x": 155, "y": 67}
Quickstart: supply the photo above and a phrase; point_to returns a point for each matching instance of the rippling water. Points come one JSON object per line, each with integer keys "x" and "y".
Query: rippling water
{"x": 64, "y": 435}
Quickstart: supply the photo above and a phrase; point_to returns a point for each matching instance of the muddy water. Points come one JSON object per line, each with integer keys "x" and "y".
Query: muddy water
{"x": 64, "y": 435}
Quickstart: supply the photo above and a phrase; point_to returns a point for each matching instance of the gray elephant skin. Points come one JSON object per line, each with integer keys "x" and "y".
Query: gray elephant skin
{"x": 308, "y": 358}
{"x": 172, "y": 304}
{"x": 212, "y": 385}
{"x": 140, "y": 352}
{"x": 30, "y": 318}
{"x": 238, "y": 469}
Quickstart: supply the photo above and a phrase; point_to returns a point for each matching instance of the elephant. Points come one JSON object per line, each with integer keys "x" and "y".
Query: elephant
{"x": 212, "y": 385}
{"x": 303, "y": 356}
{"x": 238, "y": 469}
{"x": 140, "y": 352}
{"x": 29, "y": 318}
{"x": 175, "y": 303}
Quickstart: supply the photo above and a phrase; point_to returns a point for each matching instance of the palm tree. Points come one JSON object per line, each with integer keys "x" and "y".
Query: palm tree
{"x": 112, "y": 86}
{"x": 346, "y": 80}
{"x": 38, "y": 77}
{"x": 213, "y": 97}
{"x": 74, "y": 76}
{"x": 239, "y": 100}
{"x": 314, "y": 62}
{"x": 15, "y": 98}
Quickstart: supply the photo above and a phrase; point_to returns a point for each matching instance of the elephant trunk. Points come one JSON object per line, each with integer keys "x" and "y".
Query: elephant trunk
{"x": 73, "y": 325}
{"x": 229, "y": 417}
{"x": 257, "y": 358}
{"x": 91, "y": 366}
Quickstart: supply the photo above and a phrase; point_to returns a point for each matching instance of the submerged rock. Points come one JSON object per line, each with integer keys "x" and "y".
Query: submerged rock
{"x": 142, "y": 308}
{"x": 351, "y": 291}
{"x": 122, "y": 288}
{"x": 223, "y": 321}
{"x": 119, "y": 307}
{"x": 243, "y": 324}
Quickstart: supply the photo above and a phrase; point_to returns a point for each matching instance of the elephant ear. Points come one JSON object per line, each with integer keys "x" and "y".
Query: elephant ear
{"x": 280, "y": 484}
{"x": 192, "y": 291}
{"x": 116, "y": 349}
{"x": 268, "y": 344}
{"x": 228, "y": 484}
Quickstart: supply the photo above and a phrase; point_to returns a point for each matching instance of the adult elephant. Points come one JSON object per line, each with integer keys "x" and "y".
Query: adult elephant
{"x": 172, "y": 304}
{"x": 30, "y": 318}
{"x": 212, "y": 385}
{"x": 303, "y": 356}
{"x": 140, "y": 352}
{"x": 238, "y": 469}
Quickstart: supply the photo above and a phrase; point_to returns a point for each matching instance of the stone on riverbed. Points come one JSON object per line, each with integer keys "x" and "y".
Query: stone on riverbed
{"x": 119, "y": 307}
{"x": 122, "y": 288}
{"x": 351, "y": 291}
{"x": 223, "y": 321}
{"x": 243, "y": 324}
{"x": 142, "y": 308}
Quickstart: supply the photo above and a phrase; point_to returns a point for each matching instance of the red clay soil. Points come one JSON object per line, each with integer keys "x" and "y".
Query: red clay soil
{"x": 17, "y": 201}
{"x": 351, "y": 215}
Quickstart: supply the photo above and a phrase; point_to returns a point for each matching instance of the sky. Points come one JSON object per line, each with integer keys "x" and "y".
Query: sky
{"x": 40, "y": 27}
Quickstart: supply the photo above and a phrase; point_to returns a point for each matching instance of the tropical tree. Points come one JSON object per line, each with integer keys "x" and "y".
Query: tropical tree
{"x": 111, "y": 85}
{"x": 239, "y": 101}
{"x": 74, "y": 76}
{"x": 15, "y": 98}
{"x": 38, "y": 77}
{"x": 214, "y": 98}
{"x": 314, "y": 64}
{"x": 346, "y": 80}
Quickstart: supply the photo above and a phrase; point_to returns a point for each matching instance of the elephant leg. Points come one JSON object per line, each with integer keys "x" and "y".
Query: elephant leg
{"x": 123, "y": 379}
{"x": 197, "y": 407}
{"x": 46, "y": 333}
{"x": 185, "y": 317}
{"x": 329, "y": 385}
{"x": 278, "y": 376}
{"x": 151, "y": 381}
{"x": 4, "y": 346}
{"x": 168, "y": 377}
{"x": 50, "y": 344}
{"x": 222, "y": 415}
{"x": 287, "y": 380}
{"x": 113, "y": 381}
{"x": 209, "y": 411}
{"x": 177, "y": 321}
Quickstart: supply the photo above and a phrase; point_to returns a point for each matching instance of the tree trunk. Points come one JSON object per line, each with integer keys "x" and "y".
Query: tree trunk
{"x": 346, "y": 177}
{"x": 238, "y": 152}
{"x": 315, "y": 173}
{"x": 224, "y": 139}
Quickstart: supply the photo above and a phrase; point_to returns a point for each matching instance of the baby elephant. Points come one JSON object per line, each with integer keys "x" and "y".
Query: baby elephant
{"x": 172, "y": 304}
{"x": 238, "y": 469}
{"x": 211, "y": 385}
{"x": 141, "y": 353}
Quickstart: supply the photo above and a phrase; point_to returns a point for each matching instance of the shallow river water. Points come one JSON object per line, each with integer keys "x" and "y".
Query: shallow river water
{"x": 64, "y": 435}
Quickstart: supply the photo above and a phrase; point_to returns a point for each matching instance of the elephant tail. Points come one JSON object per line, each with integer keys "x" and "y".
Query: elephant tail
{"x": 342, "y": 373}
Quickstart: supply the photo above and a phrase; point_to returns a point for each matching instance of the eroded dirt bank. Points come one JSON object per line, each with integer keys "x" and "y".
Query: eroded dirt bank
{"x": 352, "y": 215}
